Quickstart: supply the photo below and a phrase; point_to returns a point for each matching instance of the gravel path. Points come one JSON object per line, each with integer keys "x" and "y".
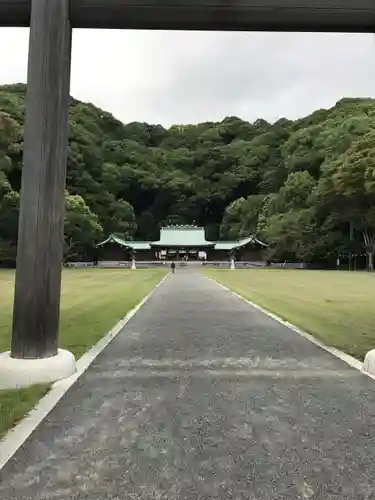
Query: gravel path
{"x": 203, "y": 397}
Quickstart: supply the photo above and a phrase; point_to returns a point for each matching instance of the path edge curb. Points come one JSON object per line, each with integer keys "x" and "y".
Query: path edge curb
{"x": 350, "y": 360}
{"x": 15, "y": 437}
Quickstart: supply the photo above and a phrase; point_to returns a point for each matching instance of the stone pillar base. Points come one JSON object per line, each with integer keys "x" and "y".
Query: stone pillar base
{"x": 133, "y": 265}
{"x": 17, "y": 373}
{"x": 232, "y": 264}
{"x": 369, "y": 362}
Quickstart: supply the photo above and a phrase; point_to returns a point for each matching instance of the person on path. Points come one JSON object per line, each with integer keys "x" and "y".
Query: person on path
{"x": 173, "y": 267}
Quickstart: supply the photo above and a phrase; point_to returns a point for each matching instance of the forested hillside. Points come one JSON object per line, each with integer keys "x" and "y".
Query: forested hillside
{"x": 307, "y": 187}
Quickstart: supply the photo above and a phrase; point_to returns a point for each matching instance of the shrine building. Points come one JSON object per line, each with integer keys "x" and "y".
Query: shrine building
{"x": 180, "y": 243}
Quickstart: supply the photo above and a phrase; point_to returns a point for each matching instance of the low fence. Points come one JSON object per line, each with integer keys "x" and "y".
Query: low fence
{"x": 289, "y": 265}
{"x": 148, "y": 264}
{"x": 239, "y": 264}
{"x": 121, "y": 264}
{"x": 207, "y": 264}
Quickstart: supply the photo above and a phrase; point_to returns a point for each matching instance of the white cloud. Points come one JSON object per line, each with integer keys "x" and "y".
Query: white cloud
{"x": 180, "y": 77}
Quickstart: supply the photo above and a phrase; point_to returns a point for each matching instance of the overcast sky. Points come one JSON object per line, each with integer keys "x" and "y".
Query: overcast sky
{"x": 188, "y": 77}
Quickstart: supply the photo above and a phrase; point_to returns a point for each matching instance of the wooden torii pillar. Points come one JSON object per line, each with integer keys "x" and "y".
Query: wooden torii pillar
{"x": 34, "y": 355}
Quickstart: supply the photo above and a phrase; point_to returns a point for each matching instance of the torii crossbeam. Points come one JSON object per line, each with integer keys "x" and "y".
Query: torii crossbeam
{"x": 226, "y": 15}
{"x": 34, "y": 355}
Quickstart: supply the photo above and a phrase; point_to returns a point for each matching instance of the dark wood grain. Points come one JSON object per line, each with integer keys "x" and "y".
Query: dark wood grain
{"x": 40, "y": 237}
{"x": 15, "y": 12}
{"x": 226, "y": 15}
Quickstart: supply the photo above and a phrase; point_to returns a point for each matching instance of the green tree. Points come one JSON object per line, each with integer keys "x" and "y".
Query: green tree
{"x": 9, "y": 214}
{"x": 292, "y": 235}
{"x": 121, "y": 219}
{"x": 354, "y": 181}
{"x": 231, "y": 175}
{"x": 81, "y": 228}
{"x": 295, "y": 192}
{"x": 241, "y": 217}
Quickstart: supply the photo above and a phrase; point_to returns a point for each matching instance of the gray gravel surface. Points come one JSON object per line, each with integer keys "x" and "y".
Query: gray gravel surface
{"x": 203, "y": 397}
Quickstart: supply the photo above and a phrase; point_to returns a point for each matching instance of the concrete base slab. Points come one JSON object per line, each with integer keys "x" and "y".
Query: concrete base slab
{"x": 17, "y": 373}
{"x": 369, "y": 362}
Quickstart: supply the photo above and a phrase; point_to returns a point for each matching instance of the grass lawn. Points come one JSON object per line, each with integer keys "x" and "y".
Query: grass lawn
{"x": 92, "y": 302}
{"x": 336, "y": 307}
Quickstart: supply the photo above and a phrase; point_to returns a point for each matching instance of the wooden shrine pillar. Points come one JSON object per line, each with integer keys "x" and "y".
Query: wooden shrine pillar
{"x": 40, "y": 235}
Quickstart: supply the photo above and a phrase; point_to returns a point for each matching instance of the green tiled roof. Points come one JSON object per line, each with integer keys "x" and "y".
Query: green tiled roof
{"x": 182, "y": 236}
{"x": 232, "y": 245}
{"x": 225, "y": 245}
{"x": 135, "y": 245}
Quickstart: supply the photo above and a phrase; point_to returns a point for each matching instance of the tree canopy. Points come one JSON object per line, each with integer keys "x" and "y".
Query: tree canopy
{"x": 307, "y": 187}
